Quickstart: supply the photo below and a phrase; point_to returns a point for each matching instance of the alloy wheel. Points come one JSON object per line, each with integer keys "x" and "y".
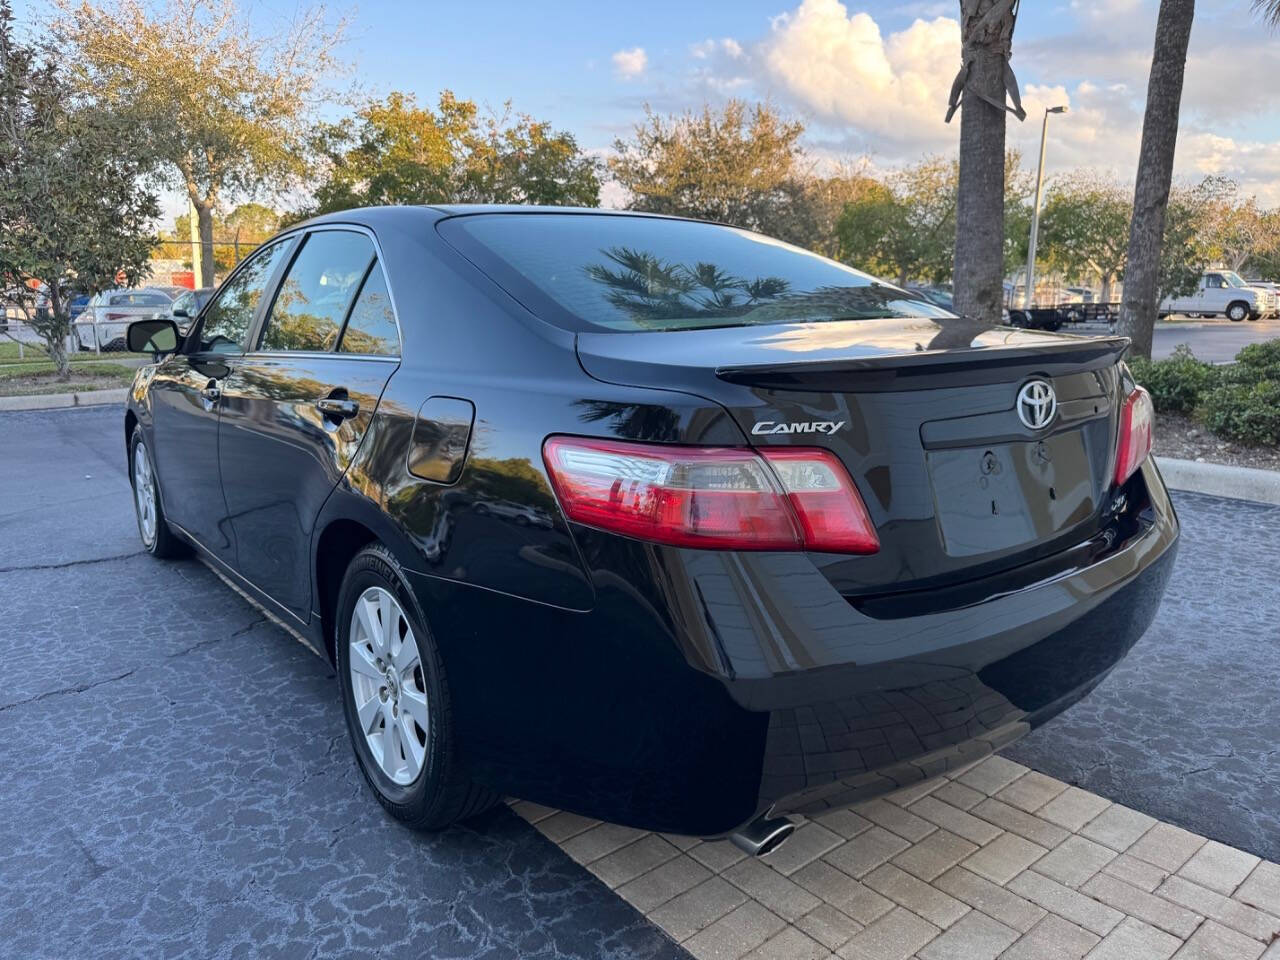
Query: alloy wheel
{"x": 388, "y": 685}
{"x": 144, "y": 493}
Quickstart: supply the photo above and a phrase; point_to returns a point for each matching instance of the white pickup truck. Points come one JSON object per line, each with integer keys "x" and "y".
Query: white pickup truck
{"x": 1223, "y": 292}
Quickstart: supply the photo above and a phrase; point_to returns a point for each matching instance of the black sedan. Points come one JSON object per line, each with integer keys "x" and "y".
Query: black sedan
{"x": 659, "y": 521}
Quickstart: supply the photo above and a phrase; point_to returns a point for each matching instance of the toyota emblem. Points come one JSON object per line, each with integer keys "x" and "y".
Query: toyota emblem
{"x": 1037, "y": 404}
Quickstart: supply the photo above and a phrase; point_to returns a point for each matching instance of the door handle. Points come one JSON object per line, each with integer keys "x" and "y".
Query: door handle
{"x": 339, "y": 408}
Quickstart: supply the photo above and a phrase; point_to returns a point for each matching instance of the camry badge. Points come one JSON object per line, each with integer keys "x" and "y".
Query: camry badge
{"x": 808, "y": 426}
{"x": 1037, "y": 404}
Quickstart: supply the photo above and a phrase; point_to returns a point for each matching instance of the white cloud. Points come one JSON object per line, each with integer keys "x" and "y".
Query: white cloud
{"x": 630, "y": 64}
{"x": 726, "y": 46}
{"x": 840, "y": 67}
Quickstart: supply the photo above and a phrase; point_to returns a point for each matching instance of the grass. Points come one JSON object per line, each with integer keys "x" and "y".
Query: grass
{"x": 34, "y": 352}
{"x": 21, "y": 379}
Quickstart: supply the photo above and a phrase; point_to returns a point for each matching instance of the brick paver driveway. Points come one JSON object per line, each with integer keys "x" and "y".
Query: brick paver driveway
{"x": 177, "y": 782}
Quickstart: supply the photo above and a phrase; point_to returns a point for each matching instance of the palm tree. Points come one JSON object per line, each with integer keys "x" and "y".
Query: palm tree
{"x": 1269, "y": 10}
{"x": 1155, "y": 170}
{"x": 982, "y": 86}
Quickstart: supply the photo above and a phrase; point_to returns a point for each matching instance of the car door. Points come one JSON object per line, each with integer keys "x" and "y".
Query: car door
{"x": 185, "y": 403}
{"x": 1214, "y": 294}
{"x": 297, "y": 405}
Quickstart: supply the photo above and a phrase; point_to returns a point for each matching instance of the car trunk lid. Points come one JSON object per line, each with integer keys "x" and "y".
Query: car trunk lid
{"x": 923, "y": 413}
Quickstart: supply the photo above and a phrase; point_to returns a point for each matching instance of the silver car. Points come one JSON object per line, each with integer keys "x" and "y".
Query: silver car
{"x": 102, "y": 325}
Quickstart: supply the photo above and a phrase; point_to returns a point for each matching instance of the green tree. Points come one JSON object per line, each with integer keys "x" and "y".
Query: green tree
{"x": 1085, "y": 226}
{"x": 228, "y": 112}
{"x": 400, "y": 152}
{"x": 234, "y": 235}
{"x": 905, "y": 227}
{"x": 741, "y": 165}
{"x": 1183, "y": 253}
{"x": 74, "y": 206}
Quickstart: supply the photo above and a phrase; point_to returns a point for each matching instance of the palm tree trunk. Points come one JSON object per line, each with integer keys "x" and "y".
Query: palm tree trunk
{"x": 1155, "y": 173}
{"x": 984, "y": 81}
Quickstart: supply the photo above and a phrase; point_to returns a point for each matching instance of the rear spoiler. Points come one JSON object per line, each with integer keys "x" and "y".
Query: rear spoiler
{"x": 930, "y": 369}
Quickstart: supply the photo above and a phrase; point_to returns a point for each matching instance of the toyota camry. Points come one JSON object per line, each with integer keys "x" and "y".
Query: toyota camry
{"x": 659, "y": 521}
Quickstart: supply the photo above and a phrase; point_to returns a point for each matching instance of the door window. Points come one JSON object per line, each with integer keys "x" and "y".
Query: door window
{"x": 317, "y": 291}
{"x": 371, "y": 328}
{"x": 228, "y": 319}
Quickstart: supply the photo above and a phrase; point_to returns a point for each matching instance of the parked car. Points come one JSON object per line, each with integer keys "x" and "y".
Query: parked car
{"x": 188, "y": 306}
{"x": 1078, "y": 295}
{"x": 1223, "y": 292}
{"x": 107, "y": 315}
{"x": 78, "y": 306}
{"x": 804, "y": 545}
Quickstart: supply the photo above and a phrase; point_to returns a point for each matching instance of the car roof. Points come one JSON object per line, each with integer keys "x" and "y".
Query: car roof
{"x": 373, "y": 217}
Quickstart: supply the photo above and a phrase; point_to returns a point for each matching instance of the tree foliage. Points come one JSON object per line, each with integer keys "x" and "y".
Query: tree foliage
{"x": 1085, "y": 227}
{"x": 740, "y": 165}
{"x": 400, "y": 152}
{"x": 74, "y": 205}
{"x": 903, "y": 225}
{"x": 234, "y": 235}
{"x": 228, "y": 111}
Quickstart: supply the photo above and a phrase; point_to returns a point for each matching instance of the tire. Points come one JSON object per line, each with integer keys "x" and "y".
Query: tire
{"x": 437, "y": 794}
{"x": 158, "y": 538}
{"x": 1237, "y": 310}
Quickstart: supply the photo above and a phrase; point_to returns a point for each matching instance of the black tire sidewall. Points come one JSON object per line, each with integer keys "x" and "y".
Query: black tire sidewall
{"x": 374, "y": 566}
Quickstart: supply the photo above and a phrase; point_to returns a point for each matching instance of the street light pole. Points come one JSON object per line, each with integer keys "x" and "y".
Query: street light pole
{"x": 1035, "y": 212}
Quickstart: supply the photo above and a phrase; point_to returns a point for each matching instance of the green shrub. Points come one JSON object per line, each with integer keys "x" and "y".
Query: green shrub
{"x": 1247, "y": 412}
{"x": 1259, "y": 361}
{"x": 1176, "y": 383}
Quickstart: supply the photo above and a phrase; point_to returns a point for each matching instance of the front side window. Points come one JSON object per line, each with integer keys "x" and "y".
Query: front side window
{"x": 371, "y": 328}
{"x": 632, "y": 273}
{"x": 228, "y": 319}
{"x": 317, "y": 291}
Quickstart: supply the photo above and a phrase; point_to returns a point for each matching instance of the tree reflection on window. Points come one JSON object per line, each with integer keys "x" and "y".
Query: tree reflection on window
{"x": 661, "y": 294}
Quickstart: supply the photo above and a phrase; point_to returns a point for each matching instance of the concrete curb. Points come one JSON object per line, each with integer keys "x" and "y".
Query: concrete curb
{"x": 53, "y": 401}
{"x": 1219, "y": 480}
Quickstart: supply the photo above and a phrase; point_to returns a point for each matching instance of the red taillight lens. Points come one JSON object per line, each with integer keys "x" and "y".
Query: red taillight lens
{"x": 1137, "y": 424}
{"x": 710, "y": 497}
{"x": 830, "y": 510}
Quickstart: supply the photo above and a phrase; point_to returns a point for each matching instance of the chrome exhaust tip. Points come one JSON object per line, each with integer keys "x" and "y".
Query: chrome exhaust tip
{"x": 763, "y": 835}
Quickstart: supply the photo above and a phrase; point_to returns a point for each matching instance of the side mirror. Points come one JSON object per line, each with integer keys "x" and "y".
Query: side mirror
{"x": 180, "y": 312}
{"x": 157, "y": 336}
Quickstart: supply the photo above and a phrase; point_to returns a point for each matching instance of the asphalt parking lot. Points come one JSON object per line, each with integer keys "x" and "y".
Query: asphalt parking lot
{"x": 1216, "y": 341}
{"x": 178, "y": 780}
{"x": 177, "y": 777}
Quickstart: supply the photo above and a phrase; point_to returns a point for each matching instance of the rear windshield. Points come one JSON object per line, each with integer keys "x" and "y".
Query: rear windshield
{"x": 596, "y": 271}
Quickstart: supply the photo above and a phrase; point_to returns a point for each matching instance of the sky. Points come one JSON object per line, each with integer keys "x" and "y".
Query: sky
{"x": 868, "y": 78}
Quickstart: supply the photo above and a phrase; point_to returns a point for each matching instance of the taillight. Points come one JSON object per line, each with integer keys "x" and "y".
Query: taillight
{"x": 723, "y": 498}
{"x": 1137, "y": 423}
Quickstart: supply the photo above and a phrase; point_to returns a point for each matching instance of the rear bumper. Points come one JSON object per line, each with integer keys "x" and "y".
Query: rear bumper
{"x": 706, "y": 688}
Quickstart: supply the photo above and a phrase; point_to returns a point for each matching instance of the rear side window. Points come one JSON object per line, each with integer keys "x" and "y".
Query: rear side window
{"x": 139, "y": 300}
{"x": 371, "y": 328}
{"x": 600, "y": 271}
{"x": 229, "y": 317}
{"x": 317, "y": 291}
